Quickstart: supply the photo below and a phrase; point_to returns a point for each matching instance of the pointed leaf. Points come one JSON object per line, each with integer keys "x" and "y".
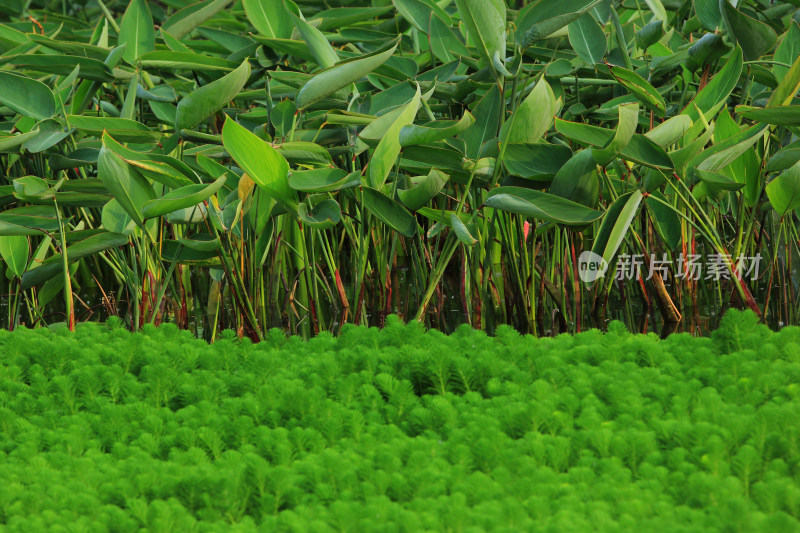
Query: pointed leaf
{"x": 434, "y": 131}
{"x": 755, "y": 37}
{"x": 182, "y": 198}
{"x": 265, "y": 165}
{"x": 486, "y": 24}
{"x": 14, "y": 251}
{"x": 541, "y": 206}
{"x": 628, "y": 120}
{"x": 532, "y": 118}
{"x": 784, "y": 191}
{"x": 578, "y": 180}
{"x": 269, "y": 17}
{"x": 638, "y": 87}
{"x": 210, "y": 98}
{"x": 385, "y": 155}
{"x": 182, "y": 22}
{"x": 124, "y": 183}
{"x": 389, "y": 212}
{"x": 136, "y": 31}
{"x": 26, "y": 96}
{"x": 424, "y": 190}
{"x": 587, "y": 39}
{"x": 325, "y": 214}
{"x": 330, "y": 80}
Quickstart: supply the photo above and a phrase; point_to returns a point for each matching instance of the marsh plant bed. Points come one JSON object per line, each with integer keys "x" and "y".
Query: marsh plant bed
{"x": 400, "y": 430}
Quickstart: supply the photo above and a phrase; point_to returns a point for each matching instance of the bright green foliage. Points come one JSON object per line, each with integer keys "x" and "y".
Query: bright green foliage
{"x": 253, "y": 163}
{"x": 400, "y": 429}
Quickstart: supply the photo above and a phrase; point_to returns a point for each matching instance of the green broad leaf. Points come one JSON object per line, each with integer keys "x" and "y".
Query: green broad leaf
{"x": 263, "y": 163}
{"x": 54, "y": 265}
{"x": 70, "y": 47}
{"x": 185, "y": 61}
{"x": 628, "y": 120}
{"x": 640, "y": 149}
{"x": 682, "y": 156}
{"x": 788, "y": 87}
{"x": 304, "y": 153}
{"x": 28, "y": 220}
{"x": 289, "y": 47}
{"x": 670, "y": 131}
{"x": 340, "y": 17}
{"x": 125, "y": 183}
{"x": 14, "y": 250}
{"x": 323, "y": 180}
{"x": 485, "y": 21}
{"x": 181, "y": 253}
{"x": 63, "y": 65}
{"x": 9, "y": 142}
{"x": 420, "y": 12}
{"x": 541, "y": 206}
{"x": 32, "y": 187}
{"x": 532, "y": 118}
{"x": 26, "y": 96}
{"x": 269, "y": 17}
{"x": 423, "y": 190}
{"x": 376, "y": 130}
{"x": 51, "y": 132}
{"x": 461, "y": 231}
{"x": 183, "y": 21}
{"x": 282, "y": 117}
{"x": 616, "y": 223}
{"x": 784, "y": 191}
{"x": 706, "y": 51}
{"x": 201, "y": 242}
{"x": 578, "y": 180}
{"x": 784, "y": 158}
{"x": 638, "y": 87}
{"x": 323, "y": 215}
{"x": 163, "y": 169}
{"x": 115, "y": 219}
{"x": 323, "y": 52}
{"x": 542, "y": 18}
{"x": 388, "y": 149}
{"x": 665, "y": 220}
{"x": 650, "y": 34}
{"x": 182, "y": 198}
{"x": 191, "y": 215}
{"x": 658, "y": 10}
{"x": 232, "y": 42}
{"x": 709, "y": 14}
{"x": 726, "y": 152}
{"x": 788, "y": 50}
{"x": 203, "y": 102}
{"x": 535, "y": 161}
{"x": 330, "y": 80}
{"x": 753, "y": 36}
{"x": 174, "y": 44}
{"x": 711, "y": 98}
{"x": 588, "y": 39}
{"x": 434, "y": 131}
{"x": 443, "y": 216}
{"x": 389, "y": 212}
{"x": 136, "y": 31}
{"x": 122, "y": 129}
{"x": 487, "y": 117}
{"x": 718, "y": 181}
{"x": 446, "y": 42}
{"x": 785, "y": 115}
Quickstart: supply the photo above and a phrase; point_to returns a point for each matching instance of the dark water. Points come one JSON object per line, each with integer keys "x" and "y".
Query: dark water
{"x": 91, "y": 305}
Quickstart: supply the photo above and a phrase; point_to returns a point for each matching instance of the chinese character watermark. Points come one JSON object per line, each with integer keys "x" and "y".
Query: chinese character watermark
{"x": 691, "y": 267}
